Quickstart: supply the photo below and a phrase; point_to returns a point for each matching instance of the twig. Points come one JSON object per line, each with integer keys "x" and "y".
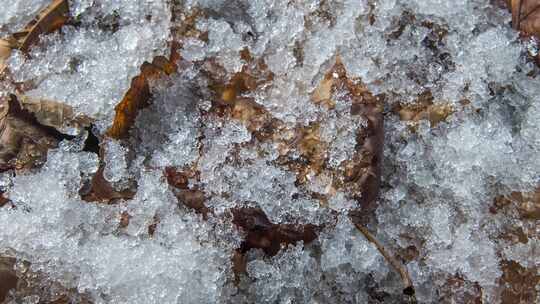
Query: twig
{"x": 402, "y": 270}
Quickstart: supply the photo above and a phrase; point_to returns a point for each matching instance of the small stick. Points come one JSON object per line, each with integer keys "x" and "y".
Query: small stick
{"x": 404, "y": 274}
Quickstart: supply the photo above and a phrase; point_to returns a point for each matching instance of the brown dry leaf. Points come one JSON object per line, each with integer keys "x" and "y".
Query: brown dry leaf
{"x": 138, "y": 96}
{"x": 8, "y": 277}
{"x": 5, "y": 52}
{"x": 23, "y": 141}
{"x": 458, "y": 290}
{"x": 29, "y": 127}
{"x": 526, "y": 16}
{"x": 519, "y": 283}
{"x": 54, "y": 114}
{"x": 526, "y": 203}
{"x": 100, "y": 190}
{"x": 265, "y": 235}
{"x": 192, "y": 198}
{"x": 52, "y": 18}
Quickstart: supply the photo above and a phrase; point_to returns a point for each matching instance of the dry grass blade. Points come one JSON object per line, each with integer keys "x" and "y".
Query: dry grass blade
{"x": 401, "y": 269}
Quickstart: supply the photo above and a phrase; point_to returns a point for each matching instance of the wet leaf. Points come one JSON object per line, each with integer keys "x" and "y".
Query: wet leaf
{"x": 138, "y": 96}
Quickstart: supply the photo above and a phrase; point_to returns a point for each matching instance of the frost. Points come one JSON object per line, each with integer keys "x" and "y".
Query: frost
{"x": 270, "y": 145}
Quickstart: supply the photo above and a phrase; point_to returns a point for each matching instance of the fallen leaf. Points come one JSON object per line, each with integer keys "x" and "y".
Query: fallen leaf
{"x": 526, "y": 203}
{"x": 519, "y": 284}
{"x": 191, "y": 198}
{"x": 50, "y": 19}
{"x": 8, "y": 277}
{"x": 263, "y": 234}
{"x": 100, "y": 190}
{"x": 424, "y": 109}
{"x": 5, "y": 52}
{"x": 54, "y": 114}
{"x": 138, "y": 96}
{"x": 23, "y": 140}
{"x": 526, "y": 16}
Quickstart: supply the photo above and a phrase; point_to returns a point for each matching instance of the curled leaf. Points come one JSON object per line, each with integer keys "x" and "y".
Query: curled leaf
{"x": 54, "y": 114}
{"x": 424, "y": 109}
{"x": 138, "y": 96}
{"x": 23, "y": 140}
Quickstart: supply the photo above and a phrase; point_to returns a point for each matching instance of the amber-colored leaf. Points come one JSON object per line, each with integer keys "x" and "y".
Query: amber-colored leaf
{"x": 5, "y": 52}
{"x": 424, "y": 109}
{"x": 526, "y": 16}
{"x": 138, "y": 96}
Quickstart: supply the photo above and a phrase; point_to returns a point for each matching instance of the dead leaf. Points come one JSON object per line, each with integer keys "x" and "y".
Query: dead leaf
{"x": 52, "y": 18}
{"x": 8, "y": 277}
{"x": 519, "y": 284}
{"x": 263, "y": 234}
{"x": 100, "y": 190}
{"x": 54, "y": 114}
{"x": 526, "y": 203}
{"x": 191, "y": 198}
{"x": 23, "y": 141}
{"x": 458, "y": 290}
{"x": 424, "y": 109}
{"x": 5, "y": 52}
{"x": 525, "y": 15}
{"x": 138, "y": 96}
